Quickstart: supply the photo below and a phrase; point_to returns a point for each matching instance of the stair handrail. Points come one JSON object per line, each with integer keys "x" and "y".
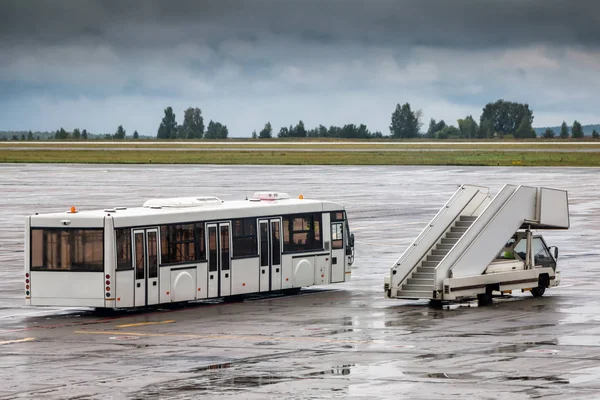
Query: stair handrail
{"x": 431, "y": 224}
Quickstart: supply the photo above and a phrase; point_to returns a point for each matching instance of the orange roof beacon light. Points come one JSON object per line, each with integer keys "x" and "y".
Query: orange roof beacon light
{"x": 73, "y": 210}
{"x": 300, "y": 197}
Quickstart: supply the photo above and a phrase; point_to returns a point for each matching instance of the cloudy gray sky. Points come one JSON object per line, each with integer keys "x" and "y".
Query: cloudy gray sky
{"x": 97, "y": 64}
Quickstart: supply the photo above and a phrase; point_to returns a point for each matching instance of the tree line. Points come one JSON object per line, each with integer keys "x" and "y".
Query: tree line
{"x": 501, "y": 119}
{"x": 192, "y": 127}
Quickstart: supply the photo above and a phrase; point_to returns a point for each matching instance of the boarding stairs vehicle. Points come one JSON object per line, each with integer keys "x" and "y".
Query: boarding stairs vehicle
{"x": 477, "y": 245}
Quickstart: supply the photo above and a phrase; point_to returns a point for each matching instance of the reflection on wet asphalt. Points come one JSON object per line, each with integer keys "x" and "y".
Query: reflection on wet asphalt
{"x": 337, "y": 341}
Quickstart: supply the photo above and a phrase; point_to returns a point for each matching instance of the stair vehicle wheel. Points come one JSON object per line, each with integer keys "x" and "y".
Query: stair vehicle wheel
{"x": 543, "y": 283}
{"x": 484, "y": 299}
{"x": 538, "y": 291}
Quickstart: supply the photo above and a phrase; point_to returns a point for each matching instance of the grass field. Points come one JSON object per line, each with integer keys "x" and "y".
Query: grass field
{"x": 502, "y": 145}
{"x": 490, "y": 158}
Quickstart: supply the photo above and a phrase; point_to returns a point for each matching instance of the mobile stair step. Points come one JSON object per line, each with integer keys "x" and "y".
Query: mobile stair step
{"x": 405, "y": 294}
{"x": 444, "y": 246}
{"x": 425, "y": 270}
{"x": 463, "y": 224}
{"x": 413, "y": 281}
{"x": 417, "y": 288}
{"x": 438, "y": 252}
{"x": 451, "y": 241}
{"x": 427, "y": 264}
{"x": 434, "y": 258}
{"x": 458, "y": 229}
{"x": 421, "y": 275}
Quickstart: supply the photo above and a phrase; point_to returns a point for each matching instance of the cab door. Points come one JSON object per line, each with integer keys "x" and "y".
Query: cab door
{"x": 219, "y": 259}
{"x": 145, "y": 264}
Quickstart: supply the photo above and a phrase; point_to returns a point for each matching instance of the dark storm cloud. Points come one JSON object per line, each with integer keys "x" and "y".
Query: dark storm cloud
{"x": 457, "y": 23}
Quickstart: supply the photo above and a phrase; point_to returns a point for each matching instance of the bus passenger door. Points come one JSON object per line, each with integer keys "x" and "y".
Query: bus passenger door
{"x": 275, "y": 243}
{"x": 139, "y": 264}
{"x": 265, "y": 253}
{"x": 219, "y": 259}
{"x": 152, "y": 262}
{"x": 337, "y": 252}
{"x": 145, "y": 262}
{"x": 225, "y": 258}
{"x": 213, "y": 260}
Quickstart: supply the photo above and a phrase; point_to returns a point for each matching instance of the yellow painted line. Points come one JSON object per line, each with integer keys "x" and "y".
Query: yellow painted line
{"x": 145, "y": 323}
{"x": 29, "y": 339}
{"x": 223, "y": 337}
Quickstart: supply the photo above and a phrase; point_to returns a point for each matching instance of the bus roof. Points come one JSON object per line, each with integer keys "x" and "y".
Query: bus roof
{"x": 181, "y": 210}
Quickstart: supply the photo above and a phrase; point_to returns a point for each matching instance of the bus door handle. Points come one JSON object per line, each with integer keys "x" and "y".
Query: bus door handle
{"x": 226, "y": 275}
{"x": 154, "y": 283}
{"x": 276, "y": 269}
{"x": 139, "y": 284}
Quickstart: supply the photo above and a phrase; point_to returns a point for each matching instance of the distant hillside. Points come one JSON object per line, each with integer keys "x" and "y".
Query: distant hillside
{"x": 587, "y": 129}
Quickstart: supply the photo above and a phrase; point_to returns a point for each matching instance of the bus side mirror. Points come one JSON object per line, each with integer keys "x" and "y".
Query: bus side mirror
{"x": 555, "y": 252}
{"x": 352, "y": 240}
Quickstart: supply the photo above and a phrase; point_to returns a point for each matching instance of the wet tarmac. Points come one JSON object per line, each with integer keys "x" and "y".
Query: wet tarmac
{"x": 337, "y": 341}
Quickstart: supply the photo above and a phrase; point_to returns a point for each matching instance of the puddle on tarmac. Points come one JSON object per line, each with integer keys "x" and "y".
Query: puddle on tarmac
{"x": 436, "y": 356}
{"x": 550, "y": 379}
{"x": 520, "y": 347}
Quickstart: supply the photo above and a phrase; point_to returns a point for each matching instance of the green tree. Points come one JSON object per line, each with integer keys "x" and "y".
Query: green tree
{"x": 283, "y": 132}
{"x": 168, "y": 126}
{"x": 506, "y": 116}
{"x": 595, "y": 134}
{"x": 84, "y": 134}
{"x": 432, "y": 129}
{"x": 524, "y": 130}
{"x": 120, "y": 133}
{"x": 266, "y": 132}
{"x": 30, "y": 135}
{"x": 76, "y": 134}
{"x": 61, "y": 134}
{"x": 136, "y": 135}
{"x": 549, "y": 133}
{"x": 299, "y": 130}
{"x": 254, "y": 135}
{"x": 405, "y": 123}
{"x": 564, "y": 131}
{"x": 193, "y": 124}
{"x": 468, "y": 127}
{"x": 216, "y": 130}
{"x": 486, "y": 129}
{"x": 577, "y": 130}
{"x": 448, "y": 132}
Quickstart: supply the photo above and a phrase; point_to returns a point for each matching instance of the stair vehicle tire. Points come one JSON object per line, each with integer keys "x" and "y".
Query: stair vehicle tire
{"x": 543, "y": 283}
{"x": 538, "y": 291}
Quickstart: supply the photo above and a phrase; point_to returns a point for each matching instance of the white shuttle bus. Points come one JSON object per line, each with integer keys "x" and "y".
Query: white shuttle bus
{"x": 184, "y": 249}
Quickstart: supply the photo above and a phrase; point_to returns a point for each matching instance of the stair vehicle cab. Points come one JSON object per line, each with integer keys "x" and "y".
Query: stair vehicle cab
{"x": 478, "y": 245}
